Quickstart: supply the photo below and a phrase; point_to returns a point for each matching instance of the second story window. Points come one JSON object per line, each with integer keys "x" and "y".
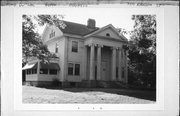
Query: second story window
{"x": 74, "y": 46}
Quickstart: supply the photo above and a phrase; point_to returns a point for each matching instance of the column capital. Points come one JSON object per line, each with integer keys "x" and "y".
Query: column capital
{"x": 91, "y": 44}
{"x": 120, "y": 47}
{"x": 114, "y": 48}
{"x": 99, "y": 45}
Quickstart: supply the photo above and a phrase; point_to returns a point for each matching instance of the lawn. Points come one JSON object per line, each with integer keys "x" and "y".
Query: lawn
{"x": 86, "y": 95}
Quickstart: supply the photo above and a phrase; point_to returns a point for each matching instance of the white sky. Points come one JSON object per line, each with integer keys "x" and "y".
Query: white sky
{"x": 119, "y": 18}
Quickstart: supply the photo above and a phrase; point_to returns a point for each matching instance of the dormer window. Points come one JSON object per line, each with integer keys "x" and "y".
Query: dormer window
{"x": 52, "y": 34}
{"x": 107, "y": 34}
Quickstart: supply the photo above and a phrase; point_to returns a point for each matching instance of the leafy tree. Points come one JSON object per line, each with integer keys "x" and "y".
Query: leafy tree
{"x": 142, "y": 51}
{"x": 32, "y": 44}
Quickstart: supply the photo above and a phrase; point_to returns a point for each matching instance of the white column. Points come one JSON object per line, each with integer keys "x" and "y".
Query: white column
{"x": 38, "y": 67}
{"x": 99, "y": 62}
{"x": 92, "y": 63}
{"x": 126, "y": 67}
{"x": 85, "y": 63}
{"x": 113, "y": 64}
{"x": 123, "y": 65}
{"x": 120, "y": 65}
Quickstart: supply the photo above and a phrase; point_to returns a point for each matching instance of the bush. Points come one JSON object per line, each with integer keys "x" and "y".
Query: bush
{"x": 55, "y": 82}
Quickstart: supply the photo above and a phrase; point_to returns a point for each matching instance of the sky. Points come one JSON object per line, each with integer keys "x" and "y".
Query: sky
{"x": 119, "y": 18}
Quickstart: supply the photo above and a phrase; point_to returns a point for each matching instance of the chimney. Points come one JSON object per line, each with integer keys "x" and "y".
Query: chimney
{"x": 91, "y": 23}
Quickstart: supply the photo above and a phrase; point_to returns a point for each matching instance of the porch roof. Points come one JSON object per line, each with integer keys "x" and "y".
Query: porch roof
{"x": 30, "y": 66}
{"x": 43, "y": 65}
{"x": 50, "y": 66}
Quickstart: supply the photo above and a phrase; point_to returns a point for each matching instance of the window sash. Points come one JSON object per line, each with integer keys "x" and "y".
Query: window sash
{"x": 74, "y": 46}
{"x": 77, "y": 69}
{"x": 70, "y": 69}
{"x": 73, "y": 69}
{"x": 53, "y": 72}
{"x": 43, "y": 71}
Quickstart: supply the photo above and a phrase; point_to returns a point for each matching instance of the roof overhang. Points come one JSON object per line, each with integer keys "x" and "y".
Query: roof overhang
{"x": 42, "y": 65}
{"x": 50, "y": 66}
{"x": 30, "y": 66}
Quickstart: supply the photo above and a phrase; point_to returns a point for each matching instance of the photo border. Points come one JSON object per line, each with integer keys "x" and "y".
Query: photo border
{"x": 18, "y": 105}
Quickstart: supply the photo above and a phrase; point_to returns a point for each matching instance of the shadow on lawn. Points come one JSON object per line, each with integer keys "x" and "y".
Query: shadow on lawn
{"x": 148, "y": 95}
{"x": 141, "y": 94}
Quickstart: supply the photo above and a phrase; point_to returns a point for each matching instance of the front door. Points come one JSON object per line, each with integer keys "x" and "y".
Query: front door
{"x": 104, "y": 70}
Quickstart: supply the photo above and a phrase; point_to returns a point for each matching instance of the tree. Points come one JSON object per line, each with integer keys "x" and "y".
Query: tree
{"x": 32, "y": 44}
{"x": 142, "y": 51}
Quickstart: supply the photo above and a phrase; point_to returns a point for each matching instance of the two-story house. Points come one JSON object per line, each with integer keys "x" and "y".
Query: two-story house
{"x": 86, "y": 55}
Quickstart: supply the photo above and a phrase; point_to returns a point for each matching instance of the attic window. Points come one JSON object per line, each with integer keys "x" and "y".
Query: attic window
{"x": 52, "y": 34}
{"x": 107, "y": 34}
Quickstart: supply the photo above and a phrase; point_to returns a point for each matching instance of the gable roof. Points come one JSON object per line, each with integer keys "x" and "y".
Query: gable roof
{"x": 77, "y": 29}
{"x": 105, "y": 27}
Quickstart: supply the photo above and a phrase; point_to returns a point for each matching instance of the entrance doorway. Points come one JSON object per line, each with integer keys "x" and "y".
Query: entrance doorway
{"x": 104, "y": 70}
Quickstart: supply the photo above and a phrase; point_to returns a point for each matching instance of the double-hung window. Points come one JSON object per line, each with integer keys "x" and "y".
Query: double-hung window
{"x": 70, "y": 69}
{"x": 74, "y": 46}
{"x": 73, "y": 69}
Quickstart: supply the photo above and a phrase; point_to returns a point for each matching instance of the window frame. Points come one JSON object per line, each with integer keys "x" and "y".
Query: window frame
{"x": 43, "y": 72}
{"x": 108, "y": 35}
{"x": 123, "y": 72}
{"x": 52, "y": 34}
{"x": 75, "y": 69}
{"x": 51, "y": 70}
{"x": 76, "y": 47}
{"x": 72, "y": 72}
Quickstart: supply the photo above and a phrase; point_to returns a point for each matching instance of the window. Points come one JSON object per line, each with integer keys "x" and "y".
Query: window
{"x": 53, "y": 72}
{"x": 52, "y": 34}
{"x": 34, "y": 71}
{"x": 43, "y": 71}
{"x": 123, "y": 73}
{"x": 73, "y": 69}
{"x": 117, "y": 72}
{"x": 107, "y": 34}
{"x": 56, "y": 49}
{"x": 74, "y": 46}
{"x": 77, "y": 69}
{"x": 70, "y": 69}
{"x": 28, "y": 71}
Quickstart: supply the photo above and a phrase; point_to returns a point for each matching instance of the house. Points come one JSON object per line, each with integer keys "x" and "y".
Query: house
{"x": 87, "y": 56}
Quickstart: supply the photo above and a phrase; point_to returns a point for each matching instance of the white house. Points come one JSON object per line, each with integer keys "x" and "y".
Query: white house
{"x": 87, "y": 56}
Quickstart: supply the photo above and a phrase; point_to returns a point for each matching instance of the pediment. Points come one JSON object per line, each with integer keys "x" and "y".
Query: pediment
{"x": 109, "y": 32}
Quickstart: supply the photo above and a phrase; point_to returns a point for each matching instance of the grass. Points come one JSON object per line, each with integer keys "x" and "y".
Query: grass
{"x": 86, "y": 95}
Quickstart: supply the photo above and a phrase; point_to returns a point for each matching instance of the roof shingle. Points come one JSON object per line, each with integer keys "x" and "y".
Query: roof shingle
{"x": 77, "y": 29}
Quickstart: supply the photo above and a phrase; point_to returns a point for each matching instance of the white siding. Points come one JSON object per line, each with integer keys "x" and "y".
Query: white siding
{"x": 47, "y": 32}
{"x": 44, "y": 77}
{"x": 61, "y": 53}
{"x": 75, "y": 58}
{"x": 32, "y": 77}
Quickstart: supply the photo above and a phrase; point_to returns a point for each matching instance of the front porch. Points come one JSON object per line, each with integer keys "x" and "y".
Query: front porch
{"x": 105, "y": 61}
{"x": 39, "y": 73}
